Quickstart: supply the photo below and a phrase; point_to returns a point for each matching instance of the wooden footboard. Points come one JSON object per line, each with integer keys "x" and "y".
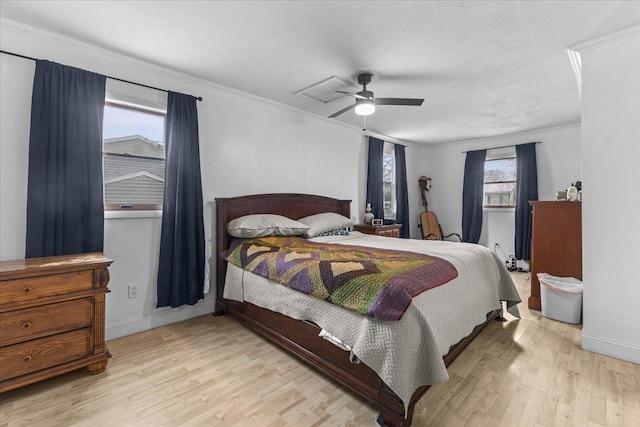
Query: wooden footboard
{"x": 300, "y": 337}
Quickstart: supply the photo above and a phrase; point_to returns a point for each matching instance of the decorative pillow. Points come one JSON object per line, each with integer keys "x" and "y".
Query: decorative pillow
{"x": 340, "y": 232}
{"x": 262, "y": 225}
{"x": 325, "y": 222}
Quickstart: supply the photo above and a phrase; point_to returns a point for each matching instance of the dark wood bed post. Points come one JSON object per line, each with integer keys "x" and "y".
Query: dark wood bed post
{"x": 301, "y": 338}
{"x": 222, "y": 242}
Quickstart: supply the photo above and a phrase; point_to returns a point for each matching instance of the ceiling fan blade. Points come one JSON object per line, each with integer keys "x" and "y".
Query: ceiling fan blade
{"x": 344, "y": 110}
{"x": 355, "y": 95}
{"x": 399, "y": 101}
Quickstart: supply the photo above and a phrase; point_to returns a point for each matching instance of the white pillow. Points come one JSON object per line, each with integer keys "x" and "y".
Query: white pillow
{"x": 262, "y": 225}
{"x": 325, "y": 222}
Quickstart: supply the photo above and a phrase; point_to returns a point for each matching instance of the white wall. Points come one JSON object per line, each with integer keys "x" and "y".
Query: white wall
{"x": 15, "y": 105}
{"x": 558, "y": 160}
{"x": 247, "y": 145}
{"x": 611, "y": 171}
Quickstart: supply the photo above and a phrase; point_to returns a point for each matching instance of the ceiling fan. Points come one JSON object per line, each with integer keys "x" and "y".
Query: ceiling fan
{"x": 366, "y": 103}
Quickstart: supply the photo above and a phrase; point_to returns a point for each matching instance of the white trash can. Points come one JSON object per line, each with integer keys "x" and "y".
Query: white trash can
{"x": 561, "y": 298}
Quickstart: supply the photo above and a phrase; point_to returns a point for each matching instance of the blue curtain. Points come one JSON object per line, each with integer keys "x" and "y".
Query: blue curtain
{"x": 375, "y": 187}
{"x": 182, "y": 259}
{"x": 472, "y": 196}
{"x": 527, "y": 184}
{"x": 402, "y": 194}
{"x": 65, "y": 209}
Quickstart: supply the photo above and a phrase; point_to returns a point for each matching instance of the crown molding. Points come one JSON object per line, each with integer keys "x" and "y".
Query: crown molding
{"x": 604, "y": 40}
{"x": 574, "y": 51}
{"x": 105, "y": 52}
{"x": 494, "y": 137}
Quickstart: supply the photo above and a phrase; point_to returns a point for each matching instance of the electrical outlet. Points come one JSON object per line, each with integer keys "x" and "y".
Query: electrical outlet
{"x": 133, "y": 291}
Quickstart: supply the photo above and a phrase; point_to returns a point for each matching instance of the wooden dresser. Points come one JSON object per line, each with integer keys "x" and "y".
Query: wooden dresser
{"x": 379, "y": 230}
{"x": 556, "y": 243}
{"x": 52, "y": 317}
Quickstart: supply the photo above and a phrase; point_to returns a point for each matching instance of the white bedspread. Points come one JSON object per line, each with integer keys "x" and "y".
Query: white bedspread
{"x": 406, "y": 353}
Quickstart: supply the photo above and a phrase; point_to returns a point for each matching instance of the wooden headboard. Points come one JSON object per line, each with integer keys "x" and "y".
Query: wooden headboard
{"x": 294, "y": 206}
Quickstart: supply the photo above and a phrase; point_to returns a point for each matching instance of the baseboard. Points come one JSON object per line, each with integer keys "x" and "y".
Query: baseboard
{"x": 608, "y": 347}
{"x": 160, "y": 318}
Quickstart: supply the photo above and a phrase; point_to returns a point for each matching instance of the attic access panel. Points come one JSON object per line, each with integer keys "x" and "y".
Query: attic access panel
{"x": 325, "y": 90}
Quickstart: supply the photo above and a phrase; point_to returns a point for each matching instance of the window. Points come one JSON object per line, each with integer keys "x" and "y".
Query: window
{"x": 133, "y": 161}
{"x": 389, "y": 181}
{"x": 500, "y": 182}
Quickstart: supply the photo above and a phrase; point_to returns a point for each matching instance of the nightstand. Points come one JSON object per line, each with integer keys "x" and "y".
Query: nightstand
{"x": 379, "y": 230}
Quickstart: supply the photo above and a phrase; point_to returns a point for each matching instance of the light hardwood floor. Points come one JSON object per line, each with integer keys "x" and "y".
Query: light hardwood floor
{"x": 213, "y": 372}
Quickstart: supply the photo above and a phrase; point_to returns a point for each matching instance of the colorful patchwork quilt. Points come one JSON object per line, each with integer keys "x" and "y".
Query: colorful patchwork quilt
{"x": 379, "y": 283}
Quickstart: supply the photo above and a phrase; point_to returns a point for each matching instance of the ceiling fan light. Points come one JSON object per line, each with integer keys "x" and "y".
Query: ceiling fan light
{"x": 365, "y": 107}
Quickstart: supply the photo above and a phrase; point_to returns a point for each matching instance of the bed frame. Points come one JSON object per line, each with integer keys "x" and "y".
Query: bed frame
{"x": 301, "y": 337}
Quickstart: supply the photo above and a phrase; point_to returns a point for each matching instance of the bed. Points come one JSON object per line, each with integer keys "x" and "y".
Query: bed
{"x": 297, "y": 324}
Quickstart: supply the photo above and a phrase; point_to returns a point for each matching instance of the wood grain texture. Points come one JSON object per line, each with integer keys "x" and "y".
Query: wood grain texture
{"x": 379, "y": 230}
{"x": 52, "y": 317}
{"x": 214, "y": 372}
{"x": 36, "y": 322}
{"x": 556, "y": 243}
{"x": 33, "y": 355}
{"x": 29, "y": 288}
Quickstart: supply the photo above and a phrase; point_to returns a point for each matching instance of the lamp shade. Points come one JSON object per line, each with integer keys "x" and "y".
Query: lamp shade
{"x": 364, "y": 107}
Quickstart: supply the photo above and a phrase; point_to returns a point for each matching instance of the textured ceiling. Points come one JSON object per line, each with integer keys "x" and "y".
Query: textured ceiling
{"x": 484, "y": 68}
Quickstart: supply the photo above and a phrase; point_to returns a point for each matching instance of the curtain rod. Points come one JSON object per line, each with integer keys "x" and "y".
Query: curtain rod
{"x": 394, "y": 143}
{"x": 199, "y": 98}
{"x": 505, "y": 146}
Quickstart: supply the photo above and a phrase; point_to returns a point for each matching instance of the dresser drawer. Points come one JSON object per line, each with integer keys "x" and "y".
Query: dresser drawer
{"x": 42, "y": 353}
{"x": 18, "y": 290}
{"x": 389, "y": 233}
{"x": 22, "y": 325}
{"x": 379, "y": 230}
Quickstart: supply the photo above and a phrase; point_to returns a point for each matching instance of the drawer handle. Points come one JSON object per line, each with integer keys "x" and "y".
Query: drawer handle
{"x": 26, "y": 325}
{"x": 27, "y": 290}
{"x": 26, "y": 358}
